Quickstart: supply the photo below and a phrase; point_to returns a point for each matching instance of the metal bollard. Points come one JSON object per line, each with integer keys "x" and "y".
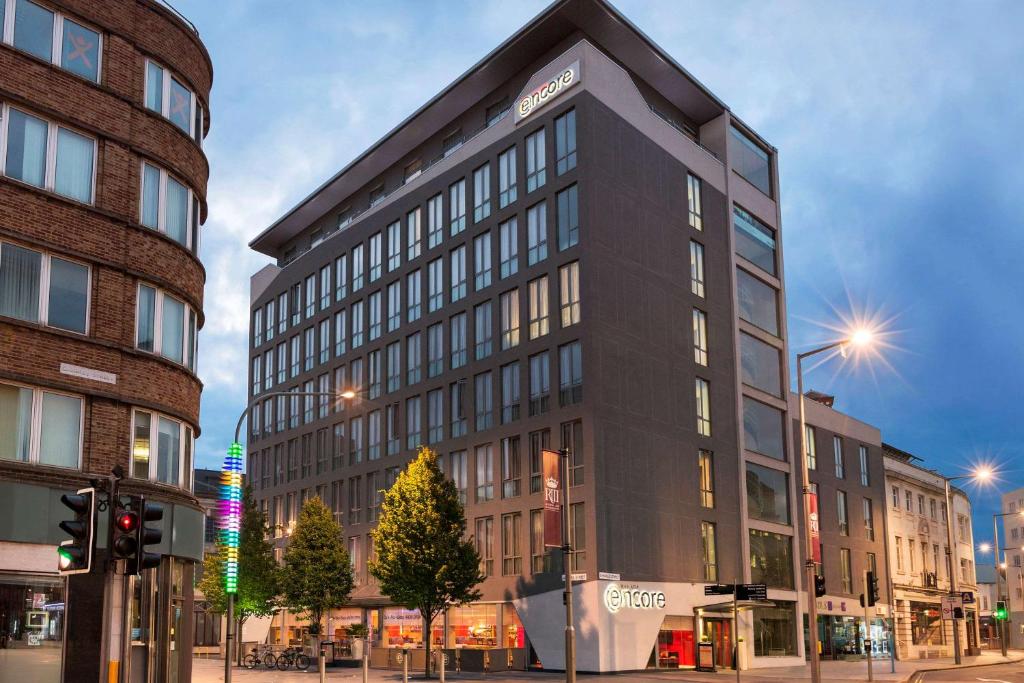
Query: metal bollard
{"x": 366, "y": 660}
{"x": 441, "y": 668}
{"x": 323, "y": 665}
{"x": 405, "y": 665}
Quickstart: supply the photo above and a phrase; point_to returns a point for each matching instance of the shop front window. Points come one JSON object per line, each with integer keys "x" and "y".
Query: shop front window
{"x": 674, "y": 649}
{"x": 926, "y": 623}
{"x": 402, "y": 628}
{"x": 775, "y": 630}
{"x": 473, "y": 626}
{"x": 31, "y": 627}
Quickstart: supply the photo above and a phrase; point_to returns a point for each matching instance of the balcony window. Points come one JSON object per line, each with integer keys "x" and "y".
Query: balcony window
{"x": 761, "y": 365}
{"x": 755, "y": 241}
{"x": 750, "y": 160}
{"x": 758, "y": 302}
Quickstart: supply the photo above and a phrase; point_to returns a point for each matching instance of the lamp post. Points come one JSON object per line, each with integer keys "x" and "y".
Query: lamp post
{"x": 234, "y": 465}
{"x": 982, "y": 474}
{"x": 999, "y": 567}
{"x": 858, "y": 338}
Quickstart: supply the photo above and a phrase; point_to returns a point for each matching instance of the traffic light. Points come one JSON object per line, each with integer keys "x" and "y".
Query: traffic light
{"x": 1000, "y": 613}
{"x": 819, "y": 586}
{"x": 75, "y": 556}
{"x": 125, "y": 544}
{"x": 872, "y": 589}
{"x": 148, "y": 535}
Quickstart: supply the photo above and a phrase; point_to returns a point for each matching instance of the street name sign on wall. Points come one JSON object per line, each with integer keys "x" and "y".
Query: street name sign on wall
{"x": 719, "y": 589}
{"x": 751, "y": 591}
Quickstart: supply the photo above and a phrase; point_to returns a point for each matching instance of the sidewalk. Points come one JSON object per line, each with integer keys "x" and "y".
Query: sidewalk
{"x": 212, "y": 670}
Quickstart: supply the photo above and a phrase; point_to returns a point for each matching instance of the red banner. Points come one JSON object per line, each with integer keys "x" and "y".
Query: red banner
{"x": 815, "y": 528}
{"x": 552, "y": 469}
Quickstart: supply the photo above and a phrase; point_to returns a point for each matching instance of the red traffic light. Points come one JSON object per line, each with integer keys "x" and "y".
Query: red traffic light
{"x": 127, "y": 521}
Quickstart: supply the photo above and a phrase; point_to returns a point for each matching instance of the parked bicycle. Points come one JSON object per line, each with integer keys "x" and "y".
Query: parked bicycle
{"x": 293, "y": 657}
{"x": 256, "y": 657}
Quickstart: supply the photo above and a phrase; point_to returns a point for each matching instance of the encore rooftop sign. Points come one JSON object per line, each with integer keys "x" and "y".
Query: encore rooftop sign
{"x": 548, "y": 91}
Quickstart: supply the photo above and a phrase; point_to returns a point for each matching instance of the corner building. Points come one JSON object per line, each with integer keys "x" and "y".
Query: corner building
{"x": 576, "y": 245}
{"x": 103, "y": 108}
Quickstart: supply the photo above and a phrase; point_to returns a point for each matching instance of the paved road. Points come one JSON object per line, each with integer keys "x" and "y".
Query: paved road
{"x": 1000, "y": 673}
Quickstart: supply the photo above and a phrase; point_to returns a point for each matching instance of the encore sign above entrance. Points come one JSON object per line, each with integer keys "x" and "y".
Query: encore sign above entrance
{"x": 547, "y": 91}
{"x": 618, "y": 597}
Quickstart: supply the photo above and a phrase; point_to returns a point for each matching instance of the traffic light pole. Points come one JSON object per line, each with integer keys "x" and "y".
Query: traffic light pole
{"x": 950, "y": 555}
{"x": 1000, "y": 623}
{"x": 867, "y": 624}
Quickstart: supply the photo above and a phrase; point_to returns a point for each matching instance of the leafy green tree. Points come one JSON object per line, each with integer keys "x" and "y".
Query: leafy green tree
{"x": 423, "y": 560}
{"x": 212, "y": 582}
{"x": 316, "y": 576}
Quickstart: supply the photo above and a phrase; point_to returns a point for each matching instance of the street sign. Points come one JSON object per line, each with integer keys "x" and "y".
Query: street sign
{"x": 719, "y": 589}
{"x": 951, "y": 603}
{"x": 751, "y": 591}
{"x": 967, "y": 597}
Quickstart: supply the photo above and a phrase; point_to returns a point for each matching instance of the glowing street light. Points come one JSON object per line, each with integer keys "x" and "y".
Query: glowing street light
{"x": 984, "y": 547}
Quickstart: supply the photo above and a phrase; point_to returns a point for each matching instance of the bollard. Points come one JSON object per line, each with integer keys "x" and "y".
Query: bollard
{"x": 405, "y": 665}
{"x": 323, "y": 665}
{"x": 441, "y": 668}
{"x": 366, "y": 660}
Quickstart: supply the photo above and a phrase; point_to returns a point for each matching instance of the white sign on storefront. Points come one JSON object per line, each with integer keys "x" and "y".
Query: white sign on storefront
{"x": 618, "y": 597}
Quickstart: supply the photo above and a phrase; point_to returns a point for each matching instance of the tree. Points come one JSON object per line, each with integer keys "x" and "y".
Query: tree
{"x": 317, "y": 575}
{"x": 423, "y": 560}
{"x": 258, "y": 585}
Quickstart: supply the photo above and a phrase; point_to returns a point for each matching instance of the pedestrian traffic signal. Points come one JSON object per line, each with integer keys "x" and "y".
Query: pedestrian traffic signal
{"x": 74, "y": 556}
{"x": 125, "y": 544}
{"x": 1000, "y": 613}
{"x": 872, "y": 589}
{"x": 819, "y": 585}
{"x": 148, "y": 535}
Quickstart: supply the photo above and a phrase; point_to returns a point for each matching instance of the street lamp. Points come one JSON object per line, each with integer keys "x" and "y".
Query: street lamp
{"x": 234, "y": 455}
{"x": 858, "y": 338}
{"x": 982, "y": 474}
{"x": 1000, "y": 568}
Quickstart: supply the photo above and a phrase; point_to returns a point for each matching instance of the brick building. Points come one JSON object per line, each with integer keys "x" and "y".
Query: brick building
{"x": 575, "y": 244}
{"x": 103, "y": 108}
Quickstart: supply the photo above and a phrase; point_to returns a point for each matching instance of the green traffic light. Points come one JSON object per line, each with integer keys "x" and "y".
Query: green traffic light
{"x": 65, "y": 558}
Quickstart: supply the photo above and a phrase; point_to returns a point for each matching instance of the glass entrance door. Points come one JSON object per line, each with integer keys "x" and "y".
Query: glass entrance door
{"x": 719, "y": 632}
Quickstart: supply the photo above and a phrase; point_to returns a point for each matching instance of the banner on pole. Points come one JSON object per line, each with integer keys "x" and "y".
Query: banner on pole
{"x": 815, "y": 528}
{"x": 552, "y": 469}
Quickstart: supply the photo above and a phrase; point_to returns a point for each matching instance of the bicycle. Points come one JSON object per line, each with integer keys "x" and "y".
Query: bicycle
{"x": 255, "y": 658}
{"x": 293, "y": 657}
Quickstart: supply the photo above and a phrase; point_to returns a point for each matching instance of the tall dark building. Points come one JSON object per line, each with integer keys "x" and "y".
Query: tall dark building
{"x": 103, "y": 109}
{"x": 575, "y": 244}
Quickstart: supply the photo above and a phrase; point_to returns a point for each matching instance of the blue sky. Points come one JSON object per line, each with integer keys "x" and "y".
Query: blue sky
{"x": 900, "y": 139}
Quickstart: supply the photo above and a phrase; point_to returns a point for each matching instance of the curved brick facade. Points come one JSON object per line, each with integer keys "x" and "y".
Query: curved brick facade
{"x": 107, "y": 234}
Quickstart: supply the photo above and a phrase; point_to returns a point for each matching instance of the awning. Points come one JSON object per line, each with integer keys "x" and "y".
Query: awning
{"x": 741, "y": 606}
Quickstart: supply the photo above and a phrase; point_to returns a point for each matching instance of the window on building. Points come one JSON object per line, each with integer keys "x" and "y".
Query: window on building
{"x": 570, "y": 374}
{"x": 413, "y": 234}
{"x": 538, "y": 552}
{"x": 709, "y": 551}
{"x": 481, "y": 193}
{"x": 53, "y": 37}
{"x": 373, "y": 438}
{"x": 413, "y": 417}
{"x": 458, "y": 472}
{"x": 435, "y": 285}
{"x": 40, "y": 287}
{"x": 767, "y": 494}
{"x": 394, "y": 245}
{"x": 694, "y": 201}
{"x": 755, "y": 241}
{"x": 511, "y": 467}
{"x": 45, "y": 427}
{"x": 457, "y": 206}
{"x": 282, "y": 313}
{"x": 536, "y": 160}
{"x": 706, "y": 471}
{"x": 282, "y": 362}
{"x": 700, "y": 337}
{"x": 908, "y": 499}
{"x": 697, "y": 268}
{"x": 484, "y": 338}
{"x": 484, "y": 401}
{"x": 703, "y": 407}
{"x": 572, "y": 441}
{"x": 758, "y": 302}
{"x": 484, "y": 473}
{"x": 509, "y": 304}
{"x": 931, "y": 506}
{"x": 760, "y": 365}
{"x": 540, "y": 384}
{"x": 164, "y": 325}
{"x": 166, "y": 205}
{"x": 565, "y": 142}
{"x": 763, "y": 429}
{"x": 539, "y": 441}
{"x": 457, "y": 397}
{"x": 578, "y": 536}
{"x": 899, "y": 554}
{"x": 310, "y": 295}
{"x": 510, "y": 392}
{"x": 457, "y": 339}
{"x": 511, "y": 554}
{"x": 458, "y": 273}
{"x": 568, "y": 218}
{"x": 269, "y": 317}
{"x": 435, "y": 416}
{"x": 484, "y": 539}
{"x": 538, "y": 307}
{"x": 865, "y": 474}
{"x": 846, "y": 570}
{"x": 536, "y": 233}
{"x": 842, "y": 514}
{"x": 392, "y": 437}
{"x": 394, "y": 305}
{"x": 374, "y": 304}
{"x": 162, "y": 447}
{"x": 812, "y": 450}
{"x": 837, "y": 452}
{"x": 482, "y": 261}
{"x": 325, "y": 340}
{"x": 506, "y": 177}
{"x": 169, "y": 97}
{"x": 509, "y": 233}
{"x": 771, "y": 559}
{"x": 869, "y": 520}
{"x": 569, "y": 293}
{"x": 48, "y": 155}
{"x": 750, "y": 160}
{"x": 895, "y": 498}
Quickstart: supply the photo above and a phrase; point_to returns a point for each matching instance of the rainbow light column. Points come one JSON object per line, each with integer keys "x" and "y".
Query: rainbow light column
{"x": 231, "y": 514}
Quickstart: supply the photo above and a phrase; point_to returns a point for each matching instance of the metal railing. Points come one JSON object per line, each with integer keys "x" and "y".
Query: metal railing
{"x": 173, "y": 10}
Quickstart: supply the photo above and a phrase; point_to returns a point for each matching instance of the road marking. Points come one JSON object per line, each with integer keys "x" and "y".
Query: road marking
{"x": 994, "y": 680}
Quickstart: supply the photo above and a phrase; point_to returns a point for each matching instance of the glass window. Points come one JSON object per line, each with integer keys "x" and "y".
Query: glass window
{"x": 358, "y": 327}
{"x": 358, "y": 264}
{"x": 74, "y": 164}
{"x": 697, "y": 268}
{"x": 758, "y": 302}
{"x": 413, "y": 417}
{"x": 767, "y": 494}
{"x": 570, "y": 372}
{"x": 376, "y": 255}
{"x": 165, "y": 204}
{"x": 484, "y": 473}
{"x": 538, "y": 307}
{"x": 413, "y": 234}
{"x": 506, "y": 177}
{"x": 510, "y": 392}
{"x": 435, "y": 350}
{"x": 484, "y": 328}
{"x": 700, "y": 337}
{"x": 568, "y": 218}
{"x": 812, "y": 448}
{"x": 539, "y": 441}
{"x": 394, "y": 305}
{"x": 706, "y": 468}
{"x": 180, "y": 109}
{"x": 435, "y": 416}
{"x": 511, "y": 552}
{"x": 435, "y": 285}
{"x": 569, "y": 289}
{"x": 760, "y": 365}
{"x": 484, "y": 397}
{"x": 154, "y": 87}
{"x": 536, "y": 233}
{"x": 457, "y": 391}
{"x": 26, "y": 147}
{"x": 842, "y": 513}
{"x": 414, "y": 358}
{"x": 59, "y": 430}
{"x": 80, "y": 52}
{"x": 162, "y": 448}
{"x": 703, "y": 407}
{"x": 775, "y": 630}
{"x": 709, "y": 551}
{"x": 565, "y": 142}
{"x": 869, "y": 520}
{"x": 536, "y": 160}
{"x": 24, "y": 288}
{"x": 511, "y": 467}
{"x": 755, "y": 241}
{"x": 509, "y": 248}
{"x": 165, "y": 325}
{"x": 435, "y": 221}
{"x": 457, "y": 338}
{"x": 865, "y": 474}
{"x": 484, "y": 539}
{"x": 510, "y": 319}
{"x": 763, "y": 429}
{"x": 926, "y": 623}
{"x": 456, "y": 207}
{"x": 413, "y": 296}
{"x": 540, "y": 384}
{"x": 481, "y": 193}
{"x": 837, "y": 452}
{"x": 33, "y": 29}
{"x": 482, "y": 260}
{"x": 750, "y": 160}
{"x": 49, "y": 433}
{"x": 771, "y": 559}
{"x": 693, "y": 201}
